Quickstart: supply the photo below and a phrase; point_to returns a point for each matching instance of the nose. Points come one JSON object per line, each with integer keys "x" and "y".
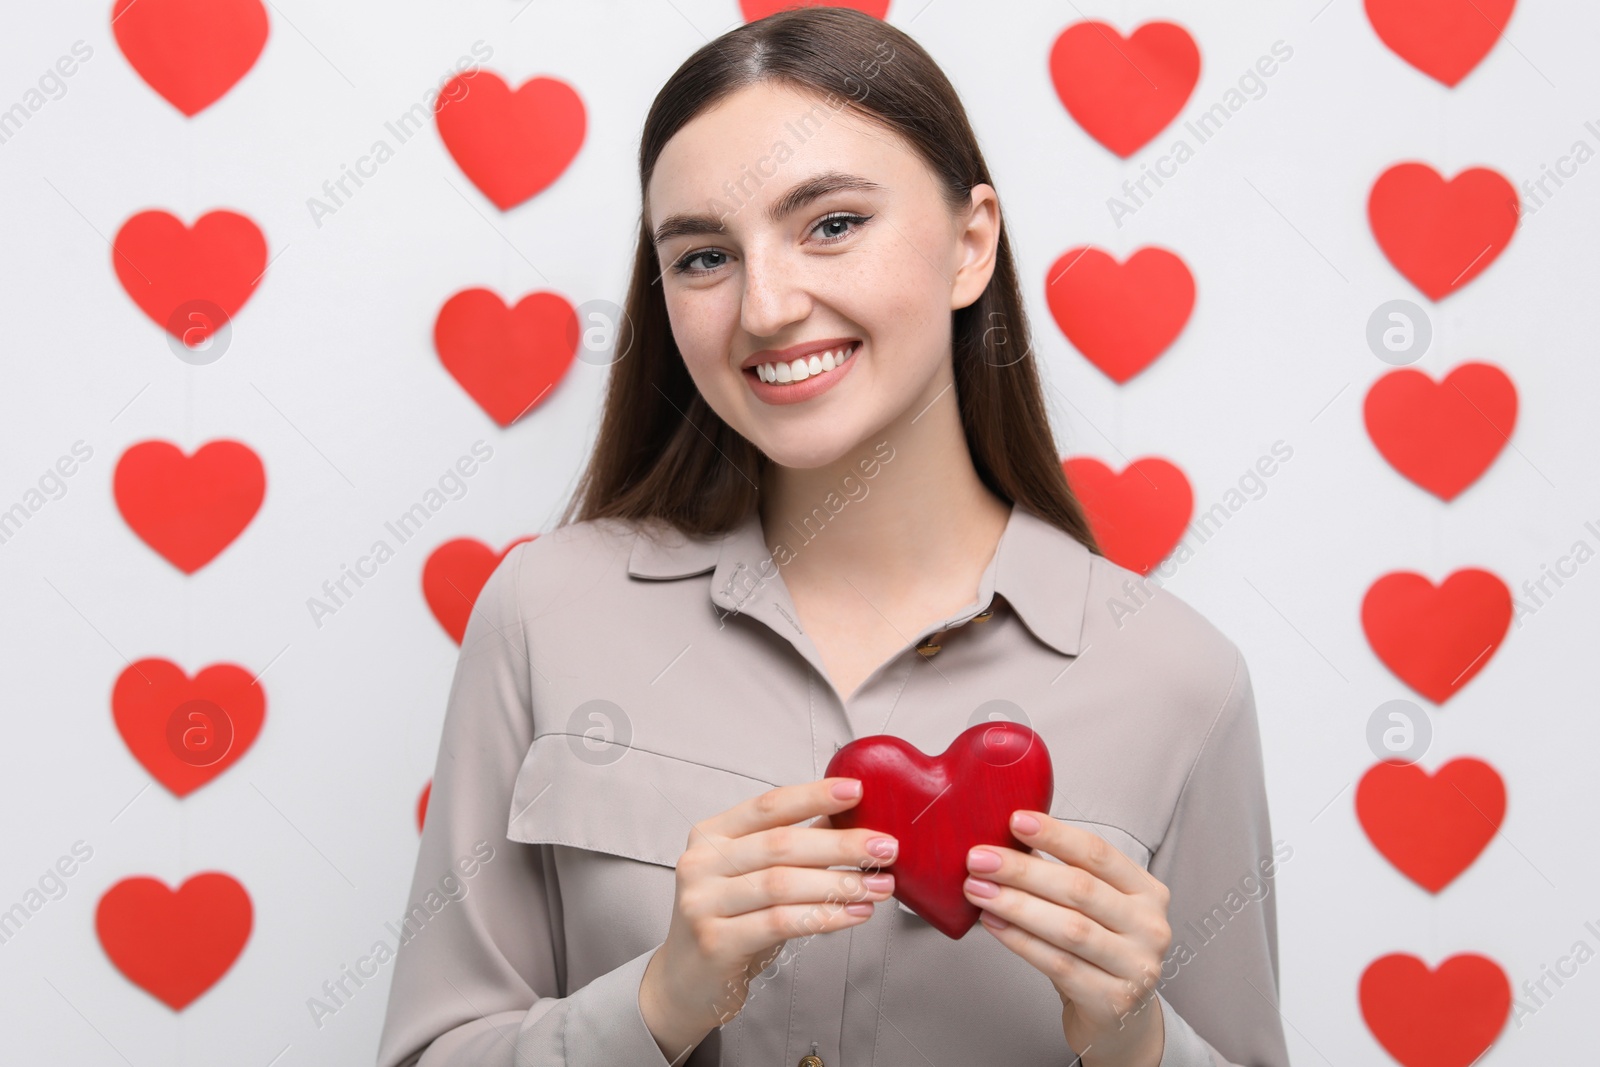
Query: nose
{"x": 774, "y": 293}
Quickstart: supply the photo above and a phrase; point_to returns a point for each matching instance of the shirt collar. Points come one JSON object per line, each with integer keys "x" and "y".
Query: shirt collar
{"x": 1040, "y": 569}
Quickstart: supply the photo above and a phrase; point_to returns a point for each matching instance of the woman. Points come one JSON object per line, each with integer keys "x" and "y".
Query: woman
{"x": 825, "y": 502}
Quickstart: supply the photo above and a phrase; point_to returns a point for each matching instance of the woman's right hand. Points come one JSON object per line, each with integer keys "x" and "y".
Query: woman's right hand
{"x": 748, "y": 881}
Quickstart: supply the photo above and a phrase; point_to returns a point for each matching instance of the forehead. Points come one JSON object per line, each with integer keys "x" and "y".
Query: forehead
{"x": 759, "y": 141}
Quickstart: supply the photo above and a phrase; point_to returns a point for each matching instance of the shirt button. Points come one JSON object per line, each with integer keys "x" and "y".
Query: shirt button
{"x": 984, "y": 616}
{"x": 812, "y": 1060}
{"x": 927, "y": 649}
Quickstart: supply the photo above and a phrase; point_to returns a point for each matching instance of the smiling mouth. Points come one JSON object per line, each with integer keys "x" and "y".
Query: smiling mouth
{"x": 808, "y": 367}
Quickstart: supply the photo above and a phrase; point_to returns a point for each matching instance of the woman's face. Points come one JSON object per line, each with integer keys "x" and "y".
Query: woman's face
{"x": 870, "y": 268}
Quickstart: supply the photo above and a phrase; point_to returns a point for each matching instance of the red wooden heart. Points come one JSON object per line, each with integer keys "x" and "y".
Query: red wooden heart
{"x": 507, "y": 359}
{"x": 190, "y": 51}
{"x": 454, "y": 576}
{"x": 1442, "y": 435}
{"x": 219, "y": 713}
{"x": 1435, "y": 1018}
{"x": 1124, "y": 90}
{"x": 1441, "y": 234}
{"x": 188, "y": 508}
{"x": 1431, "y": 827}
{"x": 760, "y": 9}
{"x": 1444, "y": 39}
{"x": 164, "y": 265}
{"x": 1139, "y": 515}
{"x": 1120, "y": 316}
{"x": 939, "y": 807}
{"x": 1436, "y": 638}
{"x": 510, "y": 144}
{"x": 174, "y": 945}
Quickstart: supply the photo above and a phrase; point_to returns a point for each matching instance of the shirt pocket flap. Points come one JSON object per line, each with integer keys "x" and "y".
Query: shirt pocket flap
{"x": 620, "y": 800}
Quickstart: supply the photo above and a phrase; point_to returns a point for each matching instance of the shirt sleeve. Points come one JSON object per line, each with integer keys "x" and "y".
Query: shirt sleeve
{"x": 480, "y": 959}
{"x": 1219, "y": 983}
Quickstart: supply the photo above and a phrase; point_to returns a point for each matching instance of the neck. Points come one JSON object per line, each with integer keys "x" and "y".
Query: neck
{"x": 902, "y": 504}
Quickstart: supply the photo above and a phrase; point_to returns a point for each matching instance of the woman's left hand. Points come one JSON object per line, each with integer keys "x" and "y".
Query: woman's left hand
{"x": 1094, "y": 924}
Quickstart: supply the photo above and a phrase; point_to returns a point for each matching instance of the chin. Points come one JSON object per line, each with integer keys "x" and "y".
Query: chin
{"x": 809, "y": 455}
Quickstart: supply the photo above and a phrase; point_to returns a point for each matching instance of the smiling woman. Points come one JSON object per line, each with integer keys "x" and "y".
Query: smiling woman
{"x": 823, "y": 283}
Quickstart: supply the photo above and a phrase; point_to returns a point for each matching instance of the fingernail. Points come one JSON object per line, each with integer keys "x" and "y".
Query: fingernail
{"x": 848, "y": 789}
{"x": 983, "y": 860}
{"x": 882, "y": 847}
{"x": 993, "y": 921}
{"x": 878, "y": 883}
{"x": 1024, "y": 823}
{"x": 978, "y": 887}
{"x": 860, "y": 907}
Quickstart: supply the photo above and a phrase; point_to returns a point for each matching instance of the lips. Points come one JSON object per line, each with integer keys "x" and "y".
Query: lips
{"x": 813, "y": 385}
{"x": 820, "y": 362}
{"x": 793, "y": 352}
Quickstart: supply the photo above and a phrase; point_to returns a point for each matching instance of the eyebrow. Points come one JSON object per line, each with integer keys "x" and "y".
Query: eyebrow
{"x": 693, "y": 224}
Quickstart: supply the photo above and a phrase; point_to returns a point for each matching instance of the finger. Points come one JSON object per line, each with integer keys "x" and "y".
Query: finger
{"x": 1083, "y": 982}
{"x": 782, "y": 805}
{"x": 1082, "y": 848}
{"x": 800, "y": 885}
{"x": 1059, "y": 883}
{"x": 1063, "y": 928}
{"x": 804, "y": 846}
{"x": 754, "y": 930}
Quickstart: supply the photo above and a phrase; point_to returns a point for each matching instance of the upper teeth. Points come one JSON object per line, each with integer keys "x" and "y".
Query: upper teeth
{"x": 805, "y": 367}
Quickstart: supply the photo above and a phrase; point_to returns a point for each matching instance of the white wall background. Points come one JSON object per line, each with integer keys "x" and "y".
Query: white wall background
{"x": 333, "y": 380}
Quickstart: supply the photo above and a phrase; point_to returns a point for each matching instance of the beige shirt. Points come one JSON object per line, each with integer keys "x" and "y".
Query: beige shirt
{"x": 545, "y": 877}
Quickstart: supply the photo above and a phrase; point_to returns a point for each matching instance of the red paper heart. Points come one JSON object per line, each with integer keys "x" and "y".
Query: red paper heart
{"x": 1442, "y": 435}
{"x": 166, "y": 267}
{"x": 507, "y": 359}
{"x": 190, "y": 51}
{"x": 1431, "y": 827}
{"x": 1120, "y": 316}
{"x": 1139, "y": 515}
{"x": 1124, "y": 90}
{"x": 1444, "y": 39}
{"x": 174, "y": 945}
{"x": 454, "y": 576}
{"x": 511, "y": 145}
{"x": 1441, "y": 234}
{"x": 189, "y": 508}
{"x": 1436, "y": 638}
{"x": 219, "y": 715}
{"x": 760, "y": 9}
{"x": 989, "y": 771}
{"x": 1435, "y": 1018}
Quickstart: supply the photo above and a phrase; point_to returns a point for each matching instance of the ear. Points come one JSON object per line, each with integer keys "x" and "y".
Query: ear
{"x": 978, "y": 241}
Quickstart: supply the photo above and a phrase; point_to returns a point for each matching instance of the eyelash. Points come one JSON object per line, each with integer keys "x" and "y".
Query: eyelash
{"x": 679, "y": 267}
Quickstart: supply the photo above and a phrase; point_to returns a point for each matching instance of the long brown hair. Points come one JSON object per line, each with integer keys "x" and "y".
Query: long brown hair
{"x": 662, "y": 453}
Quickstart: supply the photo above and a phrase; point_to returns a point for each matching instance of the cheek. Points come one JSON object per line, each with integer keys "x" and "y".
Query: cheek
{"x": 900, "y": 289}
{"x": 688, "y": 318}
